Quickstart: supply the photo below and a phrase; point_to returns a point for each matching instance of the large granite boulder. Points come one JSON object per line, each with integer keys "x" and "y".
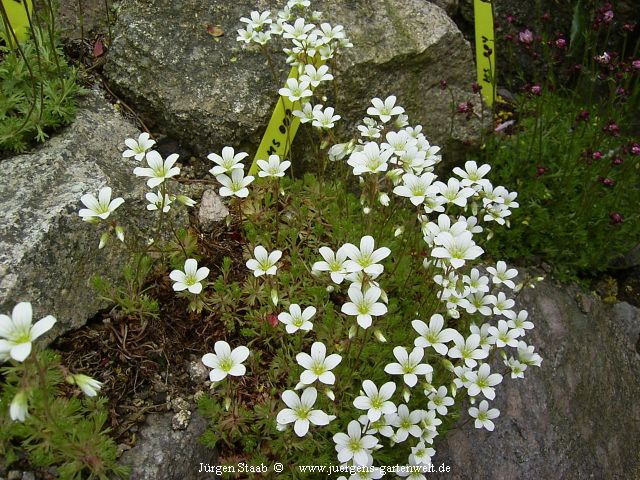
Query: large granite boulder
{"x": 576, "y": 416}
{"x": 47, "y": 253}
{"x": 207, "y": 91}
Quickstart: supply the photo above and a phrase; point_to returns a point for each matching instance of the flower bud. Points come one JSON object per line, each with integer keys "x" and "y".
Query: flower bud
{"x": 352, "y": 331}
{"x": 330, "y": 395}
{"x": 186, "y": 201}
{"x": 406, "y": 394}
{"x": 398, "y": 231}
{"x": 104, "y": 238}
{"x": 88, "y": 385}
{"x": 19, "y": 409}
{"x": 274, "y": 297}
{"x": 227, "y": 403}
{"x": 120, "y": 233}
{"x": 447, "y": 364}
{"x": 330, "y": 288}
{"x": 366, "y": 210}
{"x": 379, "y": 336}
{"x": 384, "y": 199}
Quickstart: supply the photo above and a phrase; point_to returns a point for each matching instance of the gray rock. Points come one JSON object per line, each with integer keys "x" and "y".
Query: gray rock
{"x": 164, "y": 453}
{"x": 212, "y": 210}
{"x": 47, "y": 253}
{"x": 576, "y": 416}
{"x": 208, "y": 92}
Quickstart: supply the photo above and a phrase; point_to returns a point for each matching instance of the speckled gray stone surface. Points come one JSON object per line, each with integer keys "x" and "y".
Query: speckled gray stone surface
{"x": 47, "y": 253}
{"x": 209, "y": 92}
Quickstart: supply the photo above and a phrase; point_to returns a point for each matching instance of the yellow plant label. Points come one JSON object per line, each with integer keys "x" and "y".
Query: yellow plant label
{"x": 18, "y": 12}
{"x": 485, "y": 49}
{"x": 281, "y": 130}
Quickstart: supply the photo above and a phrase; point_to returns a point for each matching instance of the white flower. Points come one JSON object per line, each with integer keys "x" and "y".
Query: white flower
{"x": 295, "y": 90}
{"x": 469, "y": 350}
{"x": 225, "y": 361}
{"x": 19, "y": 409}
{"x": 406, "y": 422}
{"x": 228, "y": 162}
{"x": 502, "y": 335}
{"x": 527, "y": 355}
{"x": 376, "y": 402}
{"x": 430, "y": 422}
{"x": 296, "y": 319}
{"x": 370, "y": 129}
{"x": 317, "y": 365}
{"x": 263, "y": 263}
{"x": 417, "y": 188}
{"x": 503, "y": 274}
{"x": 257, "y": 20}
{"x": 236, "y": 185}
{"x": 476, "y": 282}
{"x": 452, "y": 192}
{"x": 520, "y": 323}
{"x": 364, "y": 306}
{"x": 298, "y": 30}
{"x": 138, "y": 148}
{"x": 408, "y": 365}
{"x": 353, "y": 446}
{"x": 439, "y": 401}
{"x": 333, "y": 263}
{"x": 273, "y": 168}
{"x": 502, "y": 305}
{"x": 483, "y": 331}
{"x": 384, "y": 110}
{"x": 17, "y": 333}
{"x": 379, "y": 426}
{"x": 421, "y": 454}
{"x": 365, "y": 258}
{"x": 191, "y": 278}
{"x": 456, "y": 249}
{"x": 159, "y": 170}
{"x": 325, "y": 119}
{"x": 433, "y": 335}
{"x": 88, "y": 385}
{"x": 99, "y": 208}
{"x": 156, "y": 202}
{"x": 483, "y": 381}
{"x": 371, "y": 159}
{"x": 316, "y": 76}
{"x": 301, "y": 411}
{"x": 517, "y": 368}
{"x": 484, "y": 416}
{"x": 307, "y": 114}
{"x": 472, "y": 174}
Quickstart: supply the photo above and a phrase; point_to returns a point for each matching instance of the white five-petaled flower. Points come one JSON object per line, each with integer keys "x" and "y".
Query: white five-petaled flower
{"x": 439, "y": 401}
{"x": 296, "y": 319}
{"x": 433, "y": 335}
{"x": 334, "y": 263}
{"x": 371, "y": 159}
{"x": 225, "y": 361}
{"x": 236, "y": 185}
{"x": 325, "y": 119}
{"x": 503, "y": 274}
{"x": 263, "y": 263}
{"x": 159, "y": 170}
{"x": 273, "y": 168}
{"x": 257, "y": 20}
{"x": 408, "y": 365}
{"x": 317, "y": 365}
{"x": 468, "y": 350}
{"x": 90, "y": 386}
{"x": 295, "y": 90}
{"x": 416, "y": 187}
{"x": 517, "y": 368}
{"x": 365, "y": 258}
{"x": 376, "y": 402}
{"x": 364, "y": 305}
{"x": 407, "y": 422}
{"x": 156, "y": 201}
{"x": 384, "y": 110}
{"x": 138, "y": 148}
{"x": 17, "y": 333}
{"x": 484, "y": 415}
{"x": 300, "y": 411}
{"x": 19, "y": 409}
{"x": 520, "y": 324}
{"x": 456, "y": 249}
{"x": 472, "y": 174}
{"x": 483, "y": 381}
{"x": 99, "y": 208}
{"x": 228, "y": 162}
{"x": 189, "y": 279}
{"x": 421, "y": 454}
{"x": 315, "y": 76}
{"x": 353, "y": 446}
{"x": 503, "y": 335}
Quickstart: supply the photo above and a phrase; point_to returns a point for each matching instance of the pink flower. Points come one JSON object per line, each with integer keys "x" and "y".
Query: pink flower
{"x": 526, "y": 37}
